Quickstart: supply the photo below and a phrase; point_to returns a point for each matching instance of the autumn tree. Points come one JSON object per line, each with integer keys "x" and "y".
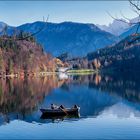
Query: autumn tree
{"x": 10, "y": 66}
{"x": 1, "y": 61}
{"x": 96, "y": 63}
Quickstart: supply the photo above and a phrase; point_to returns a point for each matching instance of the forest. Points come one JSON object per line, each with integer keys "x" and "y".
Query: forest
{"x": 20, "y": 57}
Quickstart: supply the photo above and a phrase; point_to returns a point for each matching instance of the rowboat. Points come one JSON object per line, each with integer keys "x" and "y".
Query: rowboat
{"x": 60, "y": 112}
{"x": 44, "y": 116}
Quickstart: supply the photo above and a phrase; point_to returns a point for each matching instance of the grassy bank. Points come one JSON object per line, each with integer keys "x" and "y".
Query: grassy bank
{"x": 82, "y": 71}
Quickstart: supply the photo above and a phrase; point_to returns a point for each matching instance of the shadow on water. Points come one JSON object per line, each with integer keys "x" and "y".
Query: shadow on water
{"x": 22, "y": 99}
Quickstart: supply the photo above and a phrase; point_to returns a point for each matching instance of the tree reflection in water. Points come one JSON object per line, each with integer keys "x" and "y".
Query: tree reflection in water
{"x": 21, "y": 98}
{"x": 119, "y": 84}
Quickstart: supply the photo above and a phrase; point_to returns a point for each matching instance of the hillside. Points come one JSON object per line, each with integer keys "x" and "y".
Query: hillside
{"x": 124, "y": 56}
{"x": 131, "y": 31}
{"x": 23, "y": 57}
{"x": 69, "y": 37}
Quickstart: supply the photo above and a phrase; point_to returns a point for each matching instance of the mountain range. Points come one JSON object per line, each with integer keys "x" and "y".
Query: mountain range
{"x": 76, "y": 39}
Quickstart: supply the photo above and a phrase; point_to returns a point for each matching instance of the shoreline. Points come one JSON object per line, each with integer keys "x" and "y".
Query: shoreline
{"x": 43, "y": 74}
{"x": 23, "y": 75}
{"x": 82, "y": 71}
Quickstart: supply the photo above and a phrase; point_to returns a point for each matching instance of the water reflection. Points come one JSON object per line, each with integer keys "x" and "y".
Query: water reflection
{"x": 95, "y": 94}
{"x": 20, "y": 97}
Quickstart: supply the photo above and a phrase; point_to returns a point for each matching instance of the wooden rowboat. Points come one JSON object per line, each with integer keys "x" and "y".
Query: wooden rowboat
{"x": 60, "y": 112}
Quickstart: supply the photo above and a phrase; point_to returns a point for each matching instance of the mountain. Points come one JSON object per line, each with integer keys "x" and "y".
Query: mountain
{"x": 9, "y": 29}
{"x": 118, "y": 27}
{"x": 76, "y": 39}
{"x": 123, "y": 56}
{"x": 131, "y": 31}
{"x": 2, "y": 25}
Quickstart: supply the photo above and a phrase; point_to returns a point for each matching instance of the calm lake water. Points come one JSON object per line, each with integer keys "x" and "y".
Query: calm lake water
{"x": 109, "y": 107}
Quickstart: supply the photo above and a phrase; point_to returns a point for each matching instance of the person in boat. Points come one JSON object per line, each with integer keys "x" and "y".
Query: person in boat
{"x": 75, "y": 106}
{"x": 53, "y": 106}
{"x": 61, "y": 107}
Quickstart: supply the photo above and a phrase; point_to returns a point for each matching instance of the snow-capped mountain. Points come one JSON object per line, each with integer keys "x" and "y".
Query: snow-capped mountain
{"x": 118, "y": 27}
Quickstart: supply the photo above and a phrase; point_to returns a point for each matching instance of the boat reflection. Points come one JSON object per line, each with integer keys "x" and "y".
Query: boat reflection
{"x": 59, "y": 118}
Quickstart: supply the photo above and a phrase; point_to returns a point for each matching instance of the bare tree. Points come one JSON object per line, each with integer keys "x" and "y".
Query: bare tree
{"x": 4, "y": 31}
{"x": 135, "y": 7}
{"x": 37, "y": 32}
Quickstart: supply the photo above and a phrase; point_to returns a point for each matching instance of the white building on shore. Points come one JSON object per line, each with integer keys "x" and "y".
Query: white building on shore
{"x": 62, "y": 69}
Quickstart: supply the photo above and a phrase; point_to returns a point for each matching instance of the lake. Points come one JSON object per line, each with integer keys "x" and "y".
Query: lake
{"x": 109, "y": 107}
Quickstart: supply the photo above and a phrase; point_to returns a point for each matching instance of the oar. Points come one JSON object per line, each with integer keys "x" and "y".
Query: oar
{"x": 64, "y": 111}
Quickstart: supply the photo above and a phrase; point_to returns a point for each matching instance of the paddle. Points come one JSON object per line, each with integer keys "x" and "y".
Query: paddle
{"x": 64, "y": 110}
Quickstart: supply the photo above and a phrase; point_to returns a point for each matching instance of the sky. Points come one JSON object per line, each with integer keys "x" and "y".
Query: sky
{"x": 16, "y": 13}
